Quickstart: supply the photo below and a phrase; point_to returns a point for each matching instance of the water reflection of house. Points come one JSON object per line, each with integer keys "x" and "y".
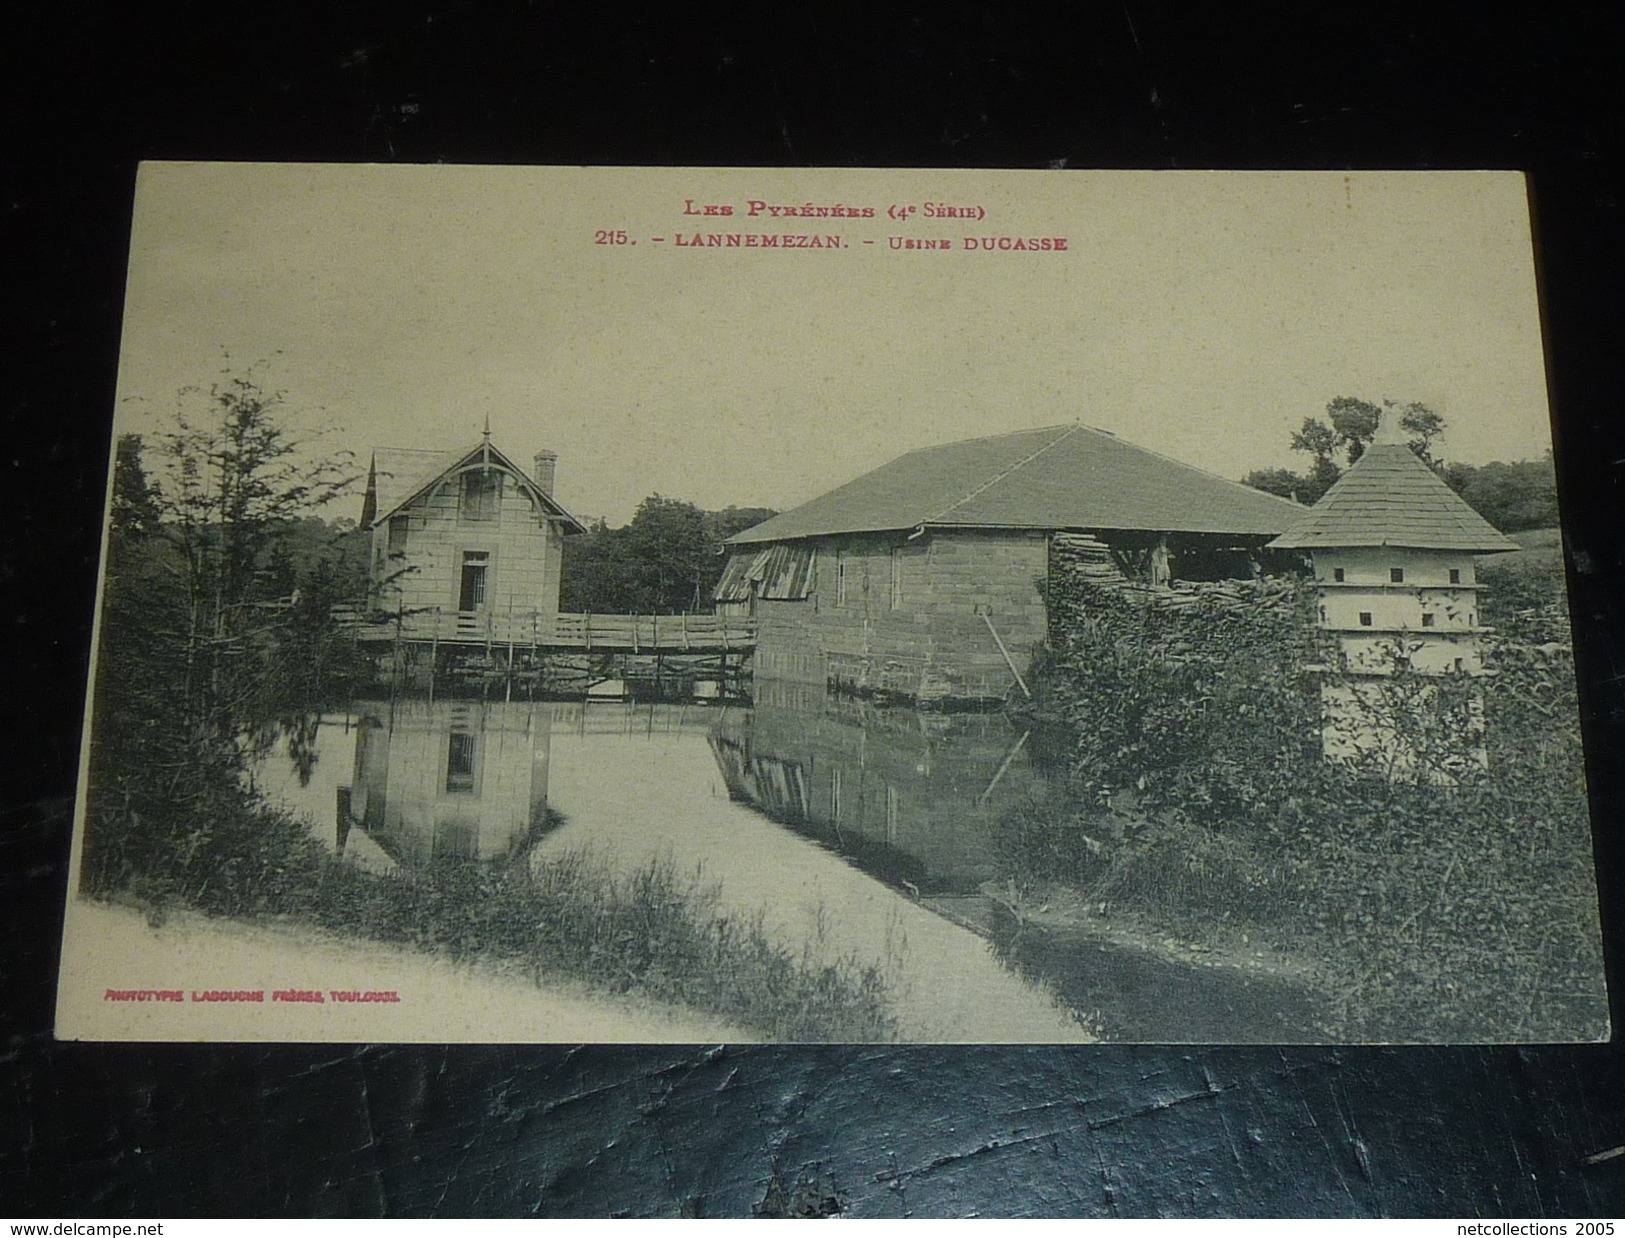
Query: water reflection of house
{"x": 924, "y": 576}
{"x": 911, "y": 797}
{"x": 449, "y": 780}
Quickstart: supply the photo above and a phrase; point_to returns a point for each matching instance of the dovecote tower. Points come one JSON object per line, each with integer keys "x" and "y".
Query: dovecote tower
{"x": 1393, "y": 550}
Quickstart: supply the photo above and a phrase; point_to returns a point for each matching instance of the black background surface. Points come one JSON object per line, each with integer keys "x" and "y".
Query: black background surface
{"x": 99, "y": 1130}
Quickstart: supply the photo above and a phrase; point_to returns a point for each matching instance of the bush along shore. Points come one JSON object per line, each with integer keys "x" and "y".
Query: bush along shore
{"x": 1191, "y": 801}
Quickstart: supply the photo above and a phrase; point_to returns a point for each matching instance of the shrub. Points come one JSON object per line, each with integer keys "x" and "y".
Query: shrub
{"x": 1192, "y": 796}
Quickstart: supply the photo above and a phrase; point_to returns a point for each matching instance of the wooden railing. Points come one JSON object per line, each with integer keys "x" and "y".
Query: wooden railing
{"x": 653, "y": 632}
{"x": 605, "y": 633}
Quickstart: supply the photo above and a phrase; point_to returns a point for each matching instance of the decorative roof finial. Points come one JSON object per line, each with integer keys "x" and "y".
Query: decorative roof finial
{"x": 1389, "y": 431}
{"x": 488, "y": 427}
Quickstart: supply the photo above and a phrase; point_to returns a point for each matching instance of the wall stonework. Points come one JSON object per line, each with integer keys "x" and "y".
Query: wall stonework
{"x": 890, "y": 614}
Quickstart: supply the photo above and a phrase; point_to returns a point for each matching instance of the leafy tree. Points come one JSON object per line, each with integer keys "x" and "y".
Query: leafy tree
{"x": 1340, "y": 440}
{"x": 666, "y": 561}
{"x": 135, "y": 500}
{"x": 1353, "y": 424}
{"x": 1514, "y": 496}
{"x": 236, "y": 482}
{"x": 201, "y": 640}
{"x": 1284, "y": 483}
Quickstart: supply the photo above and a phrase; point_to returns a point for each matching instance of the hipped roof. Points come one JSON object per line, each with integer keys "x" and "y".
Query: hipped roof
{"x": 1060, "y": 477}
{"x": 1389, "y": 497}
{"x": 401, "y": 474}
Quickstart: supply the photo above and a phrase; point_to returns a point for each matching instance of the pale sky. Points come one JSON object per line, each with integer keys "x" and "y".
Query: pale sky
{"x": 1203, "y": 315}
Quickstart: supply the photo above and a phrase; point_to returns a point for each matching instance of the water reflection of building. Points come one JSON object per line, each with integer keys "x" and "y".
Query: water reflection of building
{"x": 912, "y": 797}
{"x": 448, "y": 780}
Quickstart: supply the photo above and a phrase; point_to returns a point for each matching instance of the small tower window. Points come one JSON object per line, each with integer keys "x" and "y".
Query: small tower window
{"x": 1458, "y": 664}
{"x": 1427, "y": 619}
{"x": 1365, "y": 618}
{"x": 1396, "y": 575}
{"x": 1337, "y": 574}
{"x": 1455, "y": 575}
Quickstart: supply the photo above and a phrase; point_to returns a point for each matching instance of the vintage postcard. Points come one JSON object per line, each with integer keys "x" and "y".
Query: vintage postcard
{"x": 672, "y": 605}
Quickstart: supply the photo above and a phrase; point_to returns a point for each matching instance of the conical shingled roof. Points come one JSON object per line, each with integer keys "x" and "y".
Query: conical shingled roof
{"x": 1390, "y": 498}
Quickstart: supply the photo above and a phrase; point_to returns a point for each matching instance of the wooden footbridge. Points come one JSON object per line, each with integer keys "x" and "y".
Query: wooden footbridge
{"x": 564, "y": 632}
{"x": 564, "y": 651}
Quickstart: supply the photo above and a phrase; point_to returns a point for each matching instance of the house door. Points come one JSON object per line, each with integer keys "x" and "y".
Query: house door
{"x": 476, "y": 574}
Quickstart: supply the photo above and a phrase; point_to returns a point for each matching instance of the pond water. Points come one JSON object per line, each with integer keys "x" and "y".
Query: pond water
{"x": 845, "y": 826}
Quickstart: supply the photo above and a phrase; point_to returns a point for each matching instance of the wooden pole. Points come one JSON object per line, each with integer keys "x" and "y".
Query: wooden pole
{"x": 1008, "y": 660}
{"x": 434, "y": 652}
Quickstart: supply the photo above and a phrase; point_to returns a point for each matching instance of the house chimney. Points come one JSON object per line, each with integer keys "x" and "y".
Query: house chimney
{"x": 546, "y": 464}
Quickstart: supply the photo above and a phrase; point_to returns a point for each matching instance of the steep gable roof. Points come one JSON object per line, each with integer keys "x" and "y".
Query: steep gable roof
{"x": 1060, "y": 477}
{"x": 1390, "y": 498}
{"x": 401, "y": 474}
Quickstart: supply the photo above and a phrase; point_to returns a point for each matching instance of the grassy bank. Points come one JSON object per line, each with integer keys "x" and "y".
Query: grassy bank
{"x": 654, "y": 934}
{"x": 1192, "y": 802}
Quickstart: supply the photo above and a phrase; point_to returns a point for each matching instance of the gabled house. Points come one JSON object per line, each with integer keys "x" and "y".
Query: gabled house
{"x": 925, "y": 577}
{"x": 467, "y": 534}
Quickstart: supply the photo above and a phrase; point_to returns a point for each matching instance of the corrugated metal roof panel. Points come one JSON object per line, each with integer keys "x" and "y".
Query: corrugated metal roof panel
{"x": 735, "y": 585}
{"x": 787, "y": 573}
{"x": 781, "y": 572}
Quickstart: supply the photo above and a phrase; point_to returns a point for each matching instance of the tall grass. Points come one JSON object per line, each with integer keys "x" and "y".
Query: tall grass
{"x": 654, "y": 934}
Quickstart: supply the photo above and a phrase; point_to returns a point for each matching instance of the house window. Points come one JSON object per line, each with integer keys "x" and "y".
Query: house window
{"x": 397, "y": 534}
{"x": 1337, "y": 574}
{"x": 1396, "y": 575}
{"x": 1365, "y": 618}
{"x": 482, "y": 494}
{"x": 1455, "y": 575}
{"x": 840, "y": 579}
{"x": 896, "y": 578}
{"x": 1427, "y": 619}
{"x": 472, "y": 587}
